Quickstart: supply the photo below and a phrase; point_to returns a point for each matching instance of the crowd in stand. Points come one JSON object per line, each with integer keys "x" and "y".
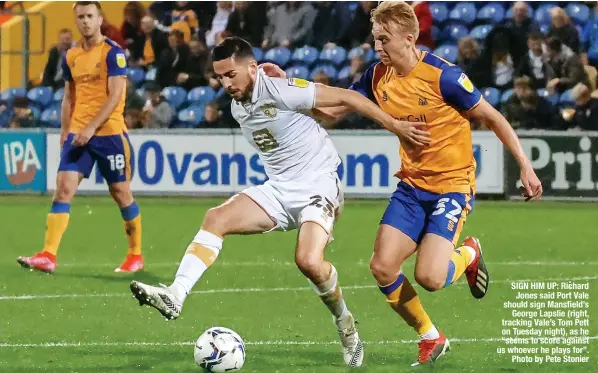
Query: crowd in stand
{"x": 535, "y": 64}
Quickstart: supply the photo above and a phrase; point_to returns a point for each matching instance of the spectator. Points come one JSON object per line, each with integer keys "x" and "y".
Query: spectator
{"x": 225, "y": 8}
{"x": 360, "y": 33}
{"x": 195, "y": 71}
{"x": 5, "y": 113}
{"x": 133, "y": 106}
{"x": 526, "y": 110}
{"x": 495, "y": 67}
{"x": 591, "y": 35}
{"x": 155, "y": 42}
{"x": 468, "y": 58}
{"x": 586, "y": 108}
{"x": 212, "y": 117}
{"x": 157, "y": 113}
{"x": 184, "y": 20}
{"x": 248, "y": 21}
{"x": 358, "y": 67}
{"x": 520, "y": 26}
{"x": 131, "y": 30}
{"x": 22, "y": 114}
{"x": 53, "y": 75}
{"x": 424, "y": 17}
{"x": 321, "y": 78}
{"x": 331, "y": 24}
{"x": 565, "y": 67}
{"x": 534, "y": 64}
{"x": 289, "y": 24}
{"x": 111, "y": 32}
{"x": 173, "y": 59}
{"x": 562, "y": 28}
{"x": 503, "y": 68}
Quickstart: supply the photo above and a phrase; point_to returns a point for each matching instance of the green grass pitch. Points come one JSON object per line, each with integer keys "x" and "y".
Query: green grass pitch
{"x": 83, "y": 318}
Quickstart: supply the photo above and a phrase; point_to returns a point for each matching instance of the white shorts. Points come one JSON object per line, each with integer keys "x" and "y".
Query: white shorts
{"x": 291, "y": 204}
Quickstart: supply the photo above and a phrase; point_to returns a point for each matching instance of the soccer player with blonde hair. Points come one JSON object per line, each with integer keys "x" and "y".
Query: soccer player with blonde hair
{"x": 437, "y": 180}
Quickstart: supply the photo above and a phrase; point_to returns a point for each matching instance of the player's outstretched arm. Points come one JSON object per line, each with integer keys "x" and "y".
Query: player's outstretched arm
{"x": 337, "y": 97}
{"x": 66, "y": 111}
{"x": 116, "y": 88}
{"x": 501, "y": 127}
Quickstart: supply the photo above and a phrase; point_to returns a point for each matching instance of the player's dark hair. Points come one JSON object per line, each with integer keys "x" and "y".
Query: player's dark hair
{"x": 86, "y": 3}
{"x": 234, "y": 47}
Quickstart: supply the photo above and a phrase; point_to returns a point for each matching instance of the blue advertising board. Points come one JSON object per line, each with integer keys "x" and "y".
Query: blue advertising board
{"x": 23, "y": 162}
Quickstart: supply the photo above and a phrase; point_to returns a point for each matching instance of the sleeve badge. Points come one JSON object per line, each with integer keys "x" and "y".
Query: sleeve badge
{"x": 466, "y": 83}
{"x": 121, "y": 60}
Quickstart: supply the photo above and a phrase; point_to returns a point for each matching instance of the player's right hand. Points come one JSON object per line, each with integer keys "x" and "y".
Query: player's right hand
{"x": 63, "y": 136}
{"x": 410, "y": 132}
{"x": 273, "y": 70}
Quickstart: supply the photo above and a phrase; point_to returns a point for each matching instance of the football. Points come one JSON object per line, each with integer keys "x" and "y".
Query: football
{"x": 220, "y": 349}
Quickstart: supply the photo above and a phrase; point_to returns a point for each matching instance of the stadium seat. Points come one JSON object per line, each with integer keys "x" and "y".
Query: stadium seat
{"x": 37, "y": 113}
{"x": 136, "y": 75}
{"x": 553, "y": 99}
{"x": 439, "y": 12}
{"x": 463, "y": 12}
{"x": 190, "y": 117}
{"x": 305, "y": 55}
{"x": 279, "y": 55}
{"x": 10, "y": 94}
{"x": 258, "y": 53}
{"x": 448, "y": 52}
{"x": 542, "y": 14}
{"x": 583, "y": 37}
{"x": 491, "y": 13}
{"x": 578, "y": 12}
{"x": 335, "y": 55}
{"x": 151, "y": 74}
{"x": 40, "y": 95}
{"x": 221, "y": 92}
{"x": 530, "y": 12}
{"x": 175, "y": 96}
{"x": 298, "y": 71}
{"x": 344, "y": 73}
{"x": 329, "y": 70}
{"x": 506, "y": 95}
{"x": 368, "y": 54}
{"x": 566, "y": 99}
{"x": 423, "y": 48}
{"x": 201, "y": 95}
{"x": 437, "y": 35}
{"x": 480, "y": 32}
{"x": 492, "y": 95}
{"x": 456, "y": 31}
{"x": 51, "y": 116}
{"x": 58, "y": 95}
{"x": 544, "y": 29}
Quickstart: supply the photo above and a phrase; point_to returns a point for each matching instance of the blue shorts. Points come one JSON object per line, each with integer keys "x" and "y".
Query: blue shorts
{"x": 112, "y": 153}
{"x": 416, "y": 212}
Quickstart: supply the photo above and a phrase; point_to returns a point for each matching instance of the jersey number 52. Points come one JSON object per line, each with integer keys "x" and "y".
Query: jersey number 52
{"x": 264, "y": 140}
{"x": 454, "y": 214}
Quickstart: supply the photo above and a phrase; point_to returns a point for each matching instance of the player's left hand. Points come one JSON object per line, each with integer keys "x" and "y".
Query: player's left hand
{"x": 273, "y": 70}
{"x": 83, "y": 136}
{"x": 532, "y": 187}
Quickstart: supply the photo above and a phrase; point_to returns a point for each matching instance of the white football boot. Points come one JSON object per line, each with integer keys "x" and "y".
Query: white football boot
{"x": 351, "y": 344}
{"x": 161, "y": 298}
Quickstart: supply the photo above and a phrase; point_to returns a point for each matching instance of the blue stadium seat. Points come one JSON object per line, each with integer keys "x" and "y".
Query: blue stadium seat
{"x": 329, "y": 70}
{"x": 368, "y": 54}
{"x": 530, "y": 12}
{"x": 492, "y": 95}
{"x": 51, "y": 116}
{"x": 37, "y": 113}
{"x": 582, "y": 35}
{"x": 439, "y": 12}
{"x": 136, "y": 74}
{"x": 279, "y": 55}
{"x": 5, "y": 117}
{"x": 437, "y": 35}
{"x": 151, "y": 74}
{"x": 335, "y": 55}
{"x": 448, "y": 52}
{"x": 305, "y": 55}
{"x": 506, "y": 95}
{"x": 553, "y": 99}
{"x": 463, "y": 12}
{"x": 344, "y": 73}
{"x": 298, "y": 71}
{"x": 10, "y": 94}
{"x": 258, "y": 53}
{"x": 423, "y": 48}
{"x": 480, "y": 32}
{"x": 542, "y": 14}
{"x": 175, "y": 96}
{"x": 40, "y": 95}
{"x": 201, "y": 95}
{"x": 456, "y": 31}
{"x": 492, "y": 13}
{"x": 566, "y": 99}
{"x": 58, "y": 95}
{"x": 578, "y": 12}
{"x": 544, "y": 29}
{"x": 190, "y": 117}
{"x": 220, "y": 92}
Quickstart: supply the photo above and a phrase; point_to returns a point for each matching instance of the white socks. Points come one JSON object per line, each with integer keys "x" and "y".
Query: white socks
{"x": 192, "y": 267}
{"x": 331, "y": 295}
{"x": 430, "y": 334}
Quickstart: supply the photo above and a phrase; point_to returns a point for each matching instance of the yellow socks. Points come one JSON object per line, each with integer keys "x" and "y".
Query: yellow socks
{"x": 460, "y": 259}
{"x": 132, "y": 219}
{"x": 56, "y": 223}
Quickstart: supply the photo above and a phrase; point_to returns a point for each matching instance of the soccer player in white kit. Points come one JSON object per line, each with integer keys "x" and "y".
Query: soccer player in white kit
{"x": 303, "y": 190}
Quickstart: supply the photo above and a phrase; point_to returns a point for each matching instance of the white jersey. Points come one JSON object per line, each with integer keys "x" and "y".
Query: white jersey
{"x": 292, "y": 146}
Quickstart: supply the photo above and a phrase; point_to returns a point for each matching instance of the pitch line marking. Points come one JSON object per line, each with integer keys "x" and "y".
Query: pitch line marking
{"x": 264, "y": 290}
